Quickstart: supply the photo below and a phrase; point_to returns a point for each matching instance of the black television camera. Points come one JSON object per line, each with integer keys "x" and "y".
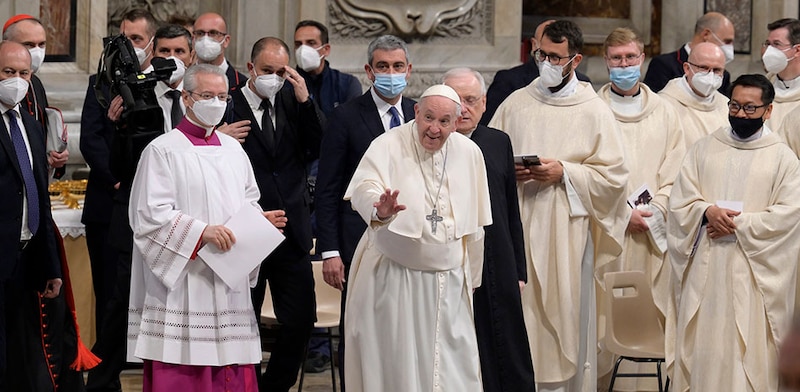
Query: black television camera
{"x": 142, "y": 119}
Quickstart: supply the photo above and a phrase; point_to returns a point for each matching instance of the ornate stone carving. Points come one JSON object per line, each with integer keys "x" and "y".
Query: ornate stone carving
{"x": 161, "y": 9}
{"x": 411, "y": 19}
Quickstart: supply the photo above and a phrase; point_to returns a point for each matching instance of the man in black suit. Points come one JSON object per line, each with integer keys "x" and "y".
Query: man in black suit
{"x": 509, "y": 80}
{"x": 30, "y": 260}
{"x": 285, "y": 136}
{"x": 26, "y": 30}
{"x": 712, "y": 27}
{"x": 350, "y": 130}
{"x": 211, "y": 38}
{"x": 502, "y": 339}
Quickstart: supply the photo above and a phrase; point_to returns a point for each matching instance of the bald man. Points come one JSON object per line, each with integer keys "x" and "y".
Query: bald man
{"x": 712, "y": 27}
{"x": 30, "y": 256}
{"x": 696, "y": 97}
{"x": 211, "y": 38}
{"x": 509, "y": 80}
{"x": 285, "y": 137}
{"x": 26, "y": 30}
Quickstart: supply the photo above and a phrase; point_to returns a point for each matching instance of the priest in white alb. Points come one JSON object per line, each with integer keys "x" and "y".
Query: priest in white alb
{"x": 701, "y": 108}
{"x": 733, "y": 240}
{"x": 193, "y": 330}
{"x": 422, "y": 189}
{"x": 653, "y": 139}
{"x": 580, "y": 186}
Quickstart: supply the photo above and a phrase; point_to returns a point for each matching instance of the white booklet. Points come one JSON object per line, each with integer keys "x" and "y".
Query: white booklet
{"x": 256, "y": 238}
{"x": 731, "y": 205}
{"x": 640, "y": 199}
{"x": 643, "y": 195}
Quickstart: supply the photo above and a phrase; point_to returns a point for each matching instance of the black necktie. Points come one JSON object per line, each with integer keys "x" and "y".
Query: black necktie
{"x": 176, "y": 113}
{"x": 31, "y": 192}
{"x": 266, "y": 122}
{"x": 395, "y": 121}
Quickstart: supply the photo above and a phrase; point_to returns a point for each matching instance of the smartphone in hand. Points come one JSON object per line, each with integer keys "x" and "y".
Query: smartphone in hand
{"x": 527, "y": 160}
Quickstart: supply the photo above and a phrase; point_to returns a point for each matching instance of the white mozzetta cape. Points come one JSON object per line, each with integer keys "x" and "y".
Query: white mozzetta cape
{"x": 410, "y": 326}
{"x": 581, "y": 132}
{"x": 737, "y": 298}
{"x": 180, "y": 311}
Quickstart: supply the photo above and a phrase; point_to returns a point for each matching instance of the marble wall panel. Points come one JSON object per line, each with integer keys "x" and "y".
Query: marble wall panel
{"x": 58, "y": 18}
{"x": 741, "y": 15}
{"x": 161, "y": 9}
{"x": 618, "y": 9}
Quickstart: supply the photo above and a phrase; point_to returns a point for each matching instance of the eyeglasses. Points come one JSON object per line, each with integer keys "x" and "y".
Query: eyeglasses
{"x": 216, "y": 35}
{"x": 703, "y": 68}
{"x": 735, "y": 107}
{"x": 470, "y": 101}
{"x": 552, "y": 58}
{"x": 777, "y": 45}
{"x": 630, "y": 59}
{"x": 207, "y": 96}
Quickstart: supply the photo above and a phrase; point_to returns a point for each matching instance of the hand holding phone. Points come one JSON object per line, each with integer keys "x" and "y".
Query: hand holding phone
{"x": 527, "y": 160}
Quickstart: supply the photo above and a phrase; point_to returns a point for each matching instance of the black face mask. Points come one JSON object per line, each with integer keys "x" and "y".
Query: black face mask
{"x": 745, "y": 127}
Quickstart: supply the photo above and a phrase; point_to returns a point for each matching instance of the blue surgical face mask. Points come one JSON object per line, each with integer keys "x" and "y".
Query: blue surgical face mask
{"x": 390, "y": 85}
{"x": 625, "y": 77}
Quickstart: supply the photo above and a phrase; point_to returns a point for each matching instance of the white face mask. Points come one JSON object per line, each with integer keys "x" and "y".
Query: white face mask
{"x": 551, "y": 75}
{"x": 774, "y": 59}
{"x": 141, "y": 53}
{"x": 209, "y": 112}
{"x": 268, "y": 85}
{"x": 726, "y": 48}
{"x": 177, "y": 74}
{"x": 13, "y": 90}
{"x": 308, "y": 58}
{"x": 706, "y": 82}
{"x": 207, "y": 48}
{"x": 37, "y": 58}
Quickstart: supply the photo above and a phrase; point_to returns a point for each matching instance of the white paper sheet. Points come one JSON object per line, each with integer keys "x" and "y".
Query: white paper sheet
{"x": 255, "y": 237}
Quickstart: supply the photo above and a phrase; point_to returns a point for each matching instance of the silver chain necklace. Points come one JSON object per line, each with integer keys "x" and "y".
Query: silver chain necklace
{"x": 433, "y": 217}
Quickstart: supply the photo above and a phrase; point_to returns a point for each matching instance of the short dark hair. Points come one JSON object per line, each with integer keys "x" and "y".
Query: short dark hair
{"x": 791, "y": 24}
{"x": 172, "y": 31}
{"x": 262, "y": 43}
{"x": 141, "y": 13}
{"x": 323, "y": 31}
{"x": 757, "y": 81}
{"x": 388, "y": 43}
{"x": 560, "y": 30}
{"x": 181, "y": 20}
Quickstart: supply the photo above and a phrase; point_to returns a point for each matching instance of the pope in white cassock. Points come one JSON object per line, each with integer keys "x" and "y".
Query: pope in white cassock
{"x": 733, "y": 241}
{"x": 579, "y": 186}
{"x": 193, "y": 330}
{"x": 422, "y": 189}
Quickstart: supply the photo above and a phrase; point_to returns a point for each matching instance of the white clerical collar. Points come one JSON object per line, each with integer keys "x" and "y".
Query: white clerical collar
{"x": 626, "y": 106}
{"x": 687, "y": 48}
{"x": 568, "y": 90}
{"x": 764, "y": 131}
{"x": 469, "y": 134}
{"x": 383, "y": 106}
{"x": 209, "y": 130}
{"x": 786, "y": 87}
{"x": 685, "y": 84}
{"x": 224, "y": 65}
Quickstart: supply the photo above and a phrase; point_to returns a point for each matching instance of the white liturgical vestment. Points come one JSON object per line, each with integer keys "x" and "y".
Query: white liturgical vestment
{"x": 699, "y": 116}
{"x": 409, "y": 315}
{"x": 180, "y": 311}
{"x": 737, "y": 293}
{"x": 578, "y": 130}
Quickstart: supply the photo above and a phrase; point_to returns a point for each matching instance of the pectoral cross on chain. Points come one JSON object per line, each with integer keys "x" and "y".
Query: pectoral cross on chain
{"x": 434, "y": 218}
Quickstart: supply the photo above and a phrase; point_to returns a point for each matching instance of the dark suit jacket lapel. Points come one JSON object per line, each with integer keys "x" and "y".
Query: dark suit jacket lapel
{"x": 242, "y": 110}
{"x": 282, "y": 102}
{"x": 408, "y": 109}
{"x": 36, "y": 141}
{"x": 369, "y": 114}
{"x": 8, "y": 145}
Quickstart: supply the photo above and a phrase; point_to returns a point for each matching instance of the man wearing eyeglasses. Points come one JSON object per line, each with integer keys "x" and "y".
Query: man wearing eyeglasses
{"x": 653, "y": 139}
{"x": 576, "y": 185}
{"x": 695, "y": 97}
{"x": 285, "y": 136}
{"x": 507, "y": 81}
{"x": 733, "y": 243}
{"x": 780, "y": 54}
{"x": 211, "y": 38}
{"x": 712, "y": 27}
